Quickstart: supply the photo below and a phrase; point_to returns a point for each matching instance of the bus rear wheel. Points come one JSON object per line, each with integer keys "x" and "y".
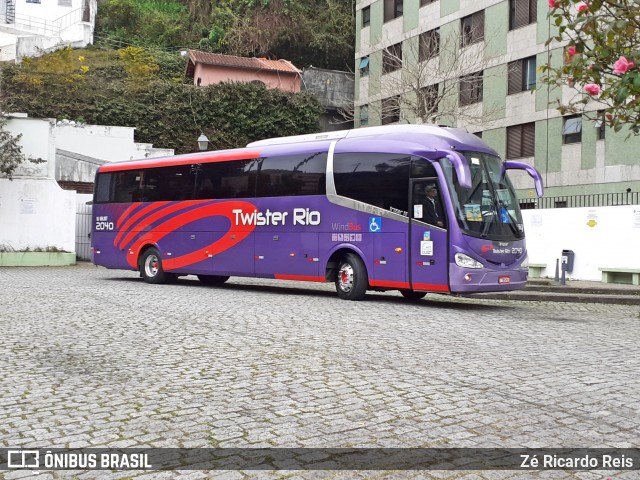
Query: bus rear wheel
{"x": 412, "y": 295}
{"x": 352, "y": 280}
{"x": 151, "y": 268}
{"x": 212, "y": 279}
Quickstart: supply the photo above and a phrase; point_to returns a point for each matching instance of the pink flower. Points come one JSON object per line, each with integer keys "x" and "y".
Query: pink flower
{"x": 592, "y": 89}
{"x": 570, "y": 52}
{"x": 554, "y": 3}
{"x": 582, "y": 7}
{"x": 622, "y": 65}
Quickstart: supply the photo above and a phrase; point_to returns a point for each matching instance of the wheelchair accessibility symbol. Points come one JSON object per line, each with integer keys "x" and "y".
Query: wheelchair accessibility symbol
{"x": 375, "y": 224}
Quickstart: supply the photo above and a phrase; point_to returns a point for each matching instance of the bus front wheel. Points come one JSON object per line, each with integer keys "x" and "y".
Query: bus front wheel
{"x": 352, "y": 280}
{"x": 151, "y": 268}
{"x": 412, "y": 295}
{"x": 212, "y": 279}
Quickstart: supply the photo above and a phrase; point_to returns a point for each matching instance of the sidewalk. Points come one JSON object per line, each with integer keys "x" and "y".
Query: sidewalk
{"x": 547, "y": 290}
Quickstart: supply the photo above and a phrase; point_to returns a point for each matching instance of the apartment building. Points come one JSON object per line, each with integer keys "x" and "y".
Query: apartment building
{"x": 474, "y": 64}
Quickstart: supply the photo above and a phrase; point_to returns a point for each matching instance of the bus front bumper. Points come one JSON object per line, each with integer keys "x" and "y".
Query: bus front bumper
{"x": 469, "y": 280}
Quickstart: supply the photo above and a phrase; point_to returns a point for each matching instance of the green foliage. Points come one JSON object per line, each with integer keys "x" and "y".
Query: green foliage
{"x": 161, "y": 23}
{"x": 603, "y": 36}
{"x": 167, "y": 113}
{"x": 307, "y": 32}
{"x": 11, "y": 156}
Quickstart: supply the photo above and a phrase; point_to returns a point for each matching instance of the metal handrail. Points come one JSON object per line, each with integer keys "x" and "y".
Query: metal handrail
{"x": 576, "y": 201}
{"x": 49, "y": 27}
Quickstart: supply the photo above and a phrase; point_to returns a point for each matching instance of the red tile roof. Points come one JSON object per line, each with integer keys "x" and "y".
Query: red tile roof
{"x": 196, "y": 56}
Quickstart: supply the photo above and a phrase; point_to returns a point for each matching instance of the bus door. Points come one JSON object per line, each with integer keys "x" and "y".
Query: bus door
{"x": 428, "y": 265}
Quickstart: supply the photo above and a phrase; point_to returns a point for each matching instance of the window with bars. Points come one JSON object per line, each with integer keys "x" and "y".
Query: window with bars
{"x": 366, "y": 16}
{"x": 65, "y": 3}
{"x": 472, "y": 28}
{"x": 429, "y": 45}
{"x": 471, "y": 89}
{"x": 392, "y": 58}
{"x": 522, "y": 13}
{"x": 521, "y": 140}
{"x": 572, "y": 130}
{"x": 522, "y": 75}
{"x": 390, "y": 110}
{"x": 392, "y": 9}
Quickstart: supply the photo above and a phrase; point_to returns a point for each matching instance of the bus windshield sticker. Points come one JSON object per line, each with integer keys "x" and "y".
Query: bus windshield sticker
{"x": 427, "y": 236}
{"x": 472, "y": 212}
{"x": 417, "y": 211}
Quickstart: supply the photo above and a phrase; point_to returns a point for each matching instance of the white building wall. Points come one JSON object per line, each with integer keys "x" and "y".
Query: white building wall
{"x": 35, "y": 213}
{"x": 108, "y": 143}
{"x": 611, "y": 242}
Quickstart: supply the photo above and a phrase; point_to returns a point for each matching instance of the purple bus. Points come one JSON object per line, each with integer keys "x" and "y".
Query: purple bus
{"x": 414, "y": 208}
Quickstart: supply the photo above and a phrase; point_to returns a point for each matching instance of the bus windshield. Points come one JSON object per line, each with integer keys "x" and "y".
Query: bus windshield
{"x": 489, "y": 209}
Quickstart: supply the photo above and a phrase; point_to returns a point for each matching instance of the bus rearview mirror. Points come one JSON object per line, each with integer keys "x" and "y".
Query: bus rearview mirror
{"x": 533, "y": 173}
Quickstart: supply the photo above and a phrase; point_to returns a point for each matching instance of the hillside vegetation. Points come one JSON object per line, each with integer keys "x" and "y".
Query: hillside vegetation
{"x": 318, "y": 33}
{"x": 146, "y": 89}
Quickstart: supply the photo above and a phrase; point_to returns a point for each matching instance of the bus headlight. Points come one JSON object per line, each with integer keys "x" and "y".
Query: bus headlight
{"x": 466, "y": 261}
{"x": 525, "y": 262}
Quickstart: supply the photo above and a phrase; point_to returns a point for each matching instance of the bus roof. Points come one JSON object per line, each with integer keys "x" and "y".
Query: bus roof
{"x": 429, "y": 136}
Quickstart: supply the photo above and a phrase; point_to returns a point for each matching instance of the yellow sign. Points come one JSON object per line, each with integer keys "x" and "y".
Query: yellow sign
{"x": 592, "y": 223}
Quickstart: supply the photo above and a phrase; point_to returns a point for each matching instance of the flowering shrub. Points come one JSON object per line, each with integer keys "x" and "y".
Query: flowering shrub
{"x": 601, "y": 58}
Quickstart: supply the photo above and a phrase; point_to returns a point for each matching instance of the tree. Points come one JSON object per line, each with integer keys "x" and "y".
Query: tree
{"x": 438, "y": 79}
{"x": 11, "y": 155}
{"x": 601, "y": 58}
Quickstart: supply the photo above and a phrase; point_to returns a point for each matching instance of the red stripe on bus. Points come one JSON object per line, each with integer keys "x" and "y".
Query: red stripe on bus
{"x": 134, "y": 218}
{"x": 388, "y": 283}
{"x": 432, "y": 287}
{"x": 179, "y": 160}
{"x": 235, "y": 234}
{"x": 147, "y": 221}
{"x": 300, "y": 278}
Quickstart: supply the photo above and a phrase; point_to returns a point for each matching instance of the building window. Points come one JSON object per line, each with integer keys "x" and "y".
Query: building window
{"x": 366, "y": 16}
{"x": 522, "y": 13}
{"x": 33, "y": 1}
{"x": 601, "y": 125}
{"x": 392, "y": 58}
{"x": 364, "y": 115}
{"x": 392, "y": 9}
{"x": 471, "y": 89}
{"x": 364, "y": 66}
{"x": 521, "y": 140}
{"x": 572, "y": 129}
{"x": 65, "y": 3}
{"x": 427, "y": 2}
{"x": 428, "y": 101}
{"x": 522, "y": 75}
{"x": 390, "y": 110}
{"x": 472, "y": 28}
{"x": 429, "y": 45}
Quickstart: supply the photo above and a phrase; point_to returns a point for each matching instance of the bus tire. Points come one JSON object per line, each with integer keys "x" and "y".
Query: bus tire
{"x": 151, "y": 268}
{"x": 412, "y": 294}
{"x": 212, "y": 279}
{"x": 352, "y": 280}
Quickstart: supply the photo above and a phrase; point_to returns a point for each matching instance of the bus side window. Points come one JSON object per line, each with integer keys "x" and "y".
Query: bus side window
{"x": 127, "y": 187}
{"x": 379, "y": 179}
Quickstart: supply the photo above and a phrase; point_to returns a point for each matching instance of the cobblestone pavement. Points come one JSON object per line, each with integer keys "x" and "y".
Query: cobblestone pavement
{"x": 97, "y": 358}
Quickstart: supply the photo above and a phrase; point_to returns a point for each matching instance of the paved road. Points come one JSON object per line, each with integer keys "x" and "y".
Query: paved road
{"x": 93, "y": 358}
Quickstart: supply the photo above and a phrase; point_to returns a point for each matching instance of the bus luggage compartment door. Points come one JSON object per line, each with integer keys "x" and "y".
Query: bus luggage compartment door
{"x": 283, "y": 254}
